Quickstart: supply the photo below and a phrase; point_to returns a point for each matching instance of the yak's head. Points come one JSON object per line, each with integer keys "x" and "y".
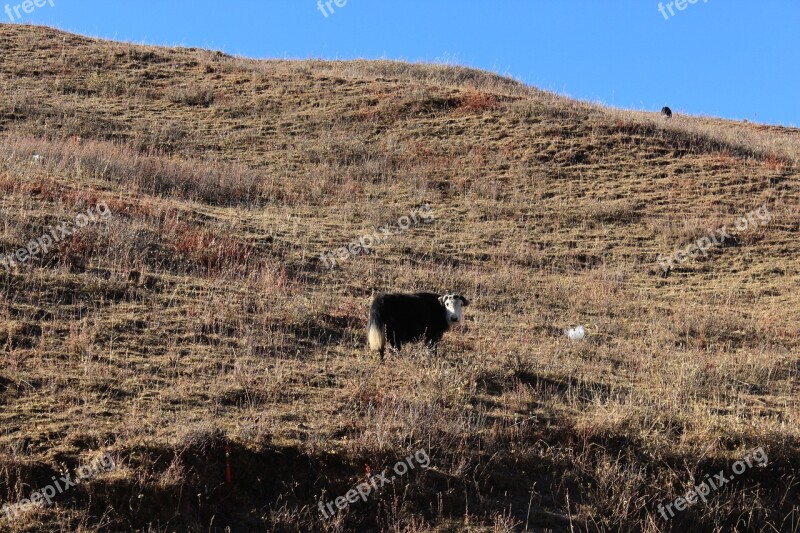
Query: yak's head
{"x": 454, "y": 304}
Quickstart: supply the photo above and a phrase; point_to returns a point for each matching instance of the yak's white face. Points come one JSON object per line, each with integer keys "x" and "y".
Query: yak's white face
{"x": 454, "y": 304}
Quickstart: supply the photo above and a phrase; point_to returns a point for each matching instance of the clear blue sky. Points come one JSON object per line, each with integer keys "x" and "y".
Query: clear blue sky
{"x": 730, "y": 58}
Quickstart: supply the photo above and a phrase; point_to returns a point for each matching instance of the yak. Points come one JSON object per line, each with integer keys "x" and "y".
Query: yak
{"x": 404, "y": 318}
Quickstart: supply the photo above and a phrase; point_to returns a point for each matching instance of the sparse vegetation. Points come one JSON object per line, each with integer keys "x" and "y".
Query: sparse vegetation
{"x": 199, "y": 316}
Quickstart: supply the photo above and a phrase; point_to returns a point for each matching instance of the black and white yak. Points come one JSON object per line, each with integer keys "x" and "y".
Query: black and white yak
{"x": 403, "y": 318}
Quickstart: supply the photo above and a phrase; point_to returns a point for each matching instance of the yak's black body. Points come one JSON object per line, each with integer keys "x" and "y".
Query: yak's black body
{"x": 667, "y": 112}
{"x": 406, "y": 318}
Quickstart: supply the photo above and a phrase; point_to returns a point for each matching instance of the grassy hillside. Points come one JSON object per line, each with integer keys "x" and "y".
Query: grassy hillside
{"x": 195, "y": 313}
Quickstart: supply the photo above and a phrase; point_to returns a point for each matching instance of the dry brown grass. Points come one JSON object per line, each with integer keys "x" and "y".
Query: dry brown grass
{"x": 200, "y": 315}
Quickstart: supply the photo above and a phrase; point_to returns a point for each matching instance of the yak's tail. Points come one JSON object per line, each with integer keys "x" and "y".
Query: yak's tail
{"x": 376, "y": 332}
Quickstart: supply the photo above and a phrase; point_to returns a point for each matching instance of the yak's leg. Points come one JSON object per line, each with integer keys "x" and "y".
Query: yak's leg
{"x": 395, "y": 344}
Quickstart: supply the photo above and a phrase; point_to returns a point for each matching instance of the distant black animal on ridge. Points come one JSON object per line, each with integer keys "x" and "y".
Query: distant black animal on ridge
{"x": 667, "y": 112}
{"x": 403, "y": 318}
